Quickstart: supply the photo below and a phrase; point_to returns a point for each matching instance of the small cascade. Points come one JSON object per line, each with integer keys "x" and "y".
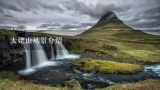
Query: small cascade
{"x": 52, "y": 52}
{"x": 154, "y": 68}
{"x": 29, "y": 68}
{"x": 62, "y": 52}
{"x": 28, "y": 56}
{"x": 40, "y": 55}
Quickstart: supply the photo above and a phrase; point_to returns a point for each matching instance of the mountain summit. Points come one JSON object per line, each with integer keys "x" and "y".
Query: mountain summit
{"x": 109, "y": 17}
{"x": 111, "y": 26}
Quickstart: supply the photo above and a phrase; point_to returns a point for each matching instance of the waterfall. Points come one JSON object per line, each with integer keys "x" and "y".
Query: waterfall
{"x": 28, "y": 69}
{"x": 28, "y": 56}
{"x": 52, "y": 52}
{"x": 62, "y": 52}
{"x": 40, "y": 55}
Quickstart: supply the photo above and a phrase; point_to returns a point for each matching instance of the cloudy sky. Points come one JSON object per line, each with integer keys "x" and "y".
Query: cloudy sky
{"x": 75, "y": 16}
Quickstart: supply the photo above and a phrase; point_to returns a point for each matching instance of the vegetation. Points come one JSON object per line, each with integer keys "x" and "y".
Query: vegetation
{"x": 9, "y": 75}
{"x": 105, "y": 66}
{"x": 144, "y": 85}
{"x": 11, "y": 81}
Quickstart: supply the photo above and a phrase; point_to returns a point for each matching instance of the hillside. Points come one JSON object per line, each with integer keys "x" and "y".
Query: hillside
{"x": 131, "y": 45}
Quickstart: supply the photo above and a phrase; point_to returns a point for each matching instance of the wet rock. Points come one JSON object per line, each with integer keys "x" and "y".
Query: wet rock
{"x": 70, "y": 76}
{"x": 73, "y": 83}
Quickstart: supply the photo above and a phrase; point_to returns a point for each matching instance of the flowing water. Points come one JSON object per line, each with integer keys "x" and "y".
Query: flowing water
{"x": 38, "y": 57}
{"x": 56, "y": 72}
{"x": 62, "y": 52}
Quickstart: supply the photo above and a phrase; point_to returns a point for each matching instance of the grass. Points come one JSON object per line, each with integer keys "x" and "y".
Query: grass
{"x": 11, "y": 81}
{"x": 9, "y": 75}
{"x": 105, "y": 66}
{"x": 7, "y": 33}
{"x": 143, "y": 85}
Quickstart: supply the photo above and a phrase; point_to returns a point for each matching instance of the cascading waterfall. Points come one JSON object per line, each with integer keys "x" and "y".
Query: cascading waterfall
{"x": 28, "y": 56}
{"x": 62, "y": 52}
{"x": 52, "y": 52}
{"x": 29, "y": 68}
{"x": 39, "y": 57}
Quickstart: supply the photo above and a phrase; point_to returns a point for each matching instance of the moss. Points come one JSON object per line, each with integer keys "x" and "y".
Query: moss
{"x": 105, "y": 66}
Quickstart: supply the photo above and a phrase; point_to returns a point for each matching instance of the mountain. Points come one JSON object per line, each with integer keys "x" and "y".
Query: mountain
{"x": 130, "y": 44}
{"x": 113, "y": 27}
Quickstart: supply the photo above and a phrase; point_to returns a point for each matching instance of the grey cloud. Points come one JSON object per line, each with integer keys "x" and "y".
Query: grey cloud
{"x": 47, "y": 25}
{"x": 6, "y": 27}
{"x": 139, "y": 14}
{"x": 52, "y": 7}
{"x": 69, "y": 26}
{"x": 21, "y": 27}
{"x": 147, "y": 19}
{"x": 6, "y": 5}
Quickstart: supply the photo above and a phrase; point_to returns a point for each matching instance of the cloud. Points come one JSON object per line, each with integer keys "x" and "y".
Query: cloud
{"x": 77, "y": 15}
{"x": 147, "y": 19}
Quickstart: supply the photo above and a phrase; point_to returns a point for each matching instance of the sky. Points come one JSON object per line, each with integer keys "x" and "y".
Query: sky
{"x": 71, "y": 17}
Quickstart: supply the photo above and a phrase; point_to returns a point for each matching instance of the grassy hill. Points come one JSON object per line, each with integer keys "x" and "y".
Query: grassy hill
{"x": 132, "y": 45}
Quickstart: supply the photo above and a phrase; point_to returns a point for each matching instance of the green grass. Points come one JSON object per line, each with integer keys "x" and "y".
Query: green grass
{"x": 143, "y": 85}
{"x": 105, "y": 66}
{"x": 9, "y": 75}
{"x": 11, "y": 81}
{"x": 7, "y": 33}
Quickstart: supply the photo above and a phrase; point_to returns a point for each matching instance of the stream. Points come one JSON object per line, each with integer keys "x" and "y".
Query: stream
{"x": 57, "y": 75}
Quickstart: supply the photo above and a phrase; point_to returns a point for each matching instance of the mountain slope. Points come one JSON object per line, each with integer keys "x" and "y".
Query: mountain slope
{"x": 112, "y": 27}
{"x": 130, "y": 44}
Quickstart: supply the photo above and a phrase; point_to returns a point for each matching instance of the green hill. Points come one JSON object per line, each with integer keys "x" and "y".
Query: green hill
{"x": 131, "y": 45}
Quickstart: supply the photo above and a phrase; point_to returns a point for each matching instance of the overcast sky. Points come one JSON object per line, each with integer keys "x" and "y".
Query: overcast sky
{"x": 75, "y": 16}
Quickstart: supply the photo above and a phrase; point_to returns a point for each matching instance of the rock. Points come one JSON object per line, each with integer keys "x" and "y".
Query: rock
{"x": 70, "y": 76}
{"x": 98, "y": 54}
{"x": 73, "y": 83}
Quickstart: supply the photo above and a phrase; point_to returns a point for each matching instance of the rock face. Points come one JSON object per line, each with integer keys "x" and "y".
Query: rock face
{"x": 11, "y": 57}
{"x": 98, "y": 55}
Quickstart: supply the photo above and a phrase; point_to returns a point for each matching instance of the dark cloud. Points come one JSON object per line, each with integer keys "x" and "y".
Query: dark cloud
{"x": 21, "y": 27}
{"x": 147, "y": 19}
{"x": 69, "y": 26}
{"x": 47, "y": 25}
{"x": 6, "y": 27}
{"x": 78, "y": 15}
{"x": 52, "y": 7}
{"x": 6, "y": 5}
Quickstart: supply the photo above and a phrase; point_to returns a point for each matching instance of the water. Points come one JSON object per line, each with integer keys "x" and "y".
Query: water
{"x": 62, "y": 52}
{"x": 55, "y": 72}
{"x": 38, "y": 57}
{"x": 28, "y": 56}
{"x": 57, "y": 75}
{"x": 154, "y": 68}
{"x": 52, "y": 52}
{"x": 29, "y": 68}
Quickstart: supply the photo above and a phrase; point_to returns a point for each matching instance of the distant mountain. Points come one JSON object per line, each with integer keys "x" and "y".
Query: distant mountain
{"x": 112, "y": 26}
